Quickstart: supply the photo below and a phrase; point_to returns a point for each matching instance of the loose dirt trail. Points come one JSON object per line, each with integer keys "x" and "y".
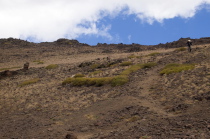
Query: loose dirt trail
{"x": 144, "y": 93}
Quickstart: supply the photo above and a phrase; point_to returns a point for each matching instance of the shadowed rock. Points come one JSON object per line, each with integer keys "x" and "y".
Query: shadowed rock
{"x": 26, "y": 66}
{"x": 70, "y": 136}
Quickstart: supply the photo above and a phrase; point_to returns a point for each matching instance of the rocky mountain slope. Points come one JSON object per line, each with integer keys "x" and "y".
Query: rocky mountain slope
{"x": 117, "y": 91}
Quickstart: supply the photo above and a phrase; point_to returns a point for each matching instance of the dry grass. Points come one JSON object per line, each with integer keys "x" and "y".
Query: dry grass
{"x": 28, "y": 82}
{"x": 79, "y": 75}
{"x": 126, "y": 63}
{"x": 94, "y": 66}
{"x": 119, "y": 80}
{"x": 174, "y": 68}
{"x": 52, "y": 66}
{"x": 153, "y": 54}
{"x": 133, "y": 118}
{"x": 38, "y": 61}
{"x": 132, "y": 56}
{"x": 2, "y": 69}
{"x": 88, "y": 81}
{"x": 114, "y": 81}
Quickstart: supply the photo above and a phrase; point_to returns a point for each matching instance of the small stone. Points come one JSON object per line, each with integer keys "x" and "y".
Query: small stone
{"x": 26, "y": 66}
{"x": 208, "y": 127}
{"x": 189, "y": 126}
{"x": 84, "y": 129}
{"x": 70, "y": 136}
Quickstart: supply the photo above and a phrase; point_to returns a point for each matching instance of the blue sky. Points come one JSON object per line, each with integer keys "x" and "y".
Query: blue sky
{"x": 112, "y": 21}
{"x": 125, "y": 29}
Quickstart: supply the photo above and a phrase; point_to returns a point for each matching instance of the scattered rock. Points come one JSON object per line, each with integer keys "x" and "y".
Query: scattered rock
{"x": 26, "y": 66}
{"x": 84, "y": 129}
{"x": 71, "y": 136}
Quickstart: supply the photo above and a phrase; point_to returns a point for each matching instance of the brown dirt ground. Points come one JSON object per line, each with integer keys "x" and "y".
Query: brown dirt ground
{"x": 149, "y": 106}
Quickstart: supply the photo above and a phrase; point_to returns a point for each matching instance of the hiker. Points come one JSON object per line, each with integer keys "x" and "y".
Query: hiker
{"x": 189, "y": 43}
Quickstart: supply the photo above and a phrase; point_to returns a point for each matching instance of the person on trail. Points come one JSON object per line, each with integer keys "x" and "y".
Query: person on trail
{"x": 189, "y": 43}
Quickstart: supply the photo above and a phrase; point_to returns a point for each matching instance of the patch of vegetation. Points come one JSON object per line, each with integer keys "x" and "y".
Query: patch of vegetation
{"x": 32, "y": 81}
{"x": 51, "y": 66}
{"x": 146, "y": 137}
{"x": 139, "y": 56}
{"x": 133, "y": 68}
{"x": 174, "y": 68}
{"x": 153, "y": 54}
{"x": 181, "y": 49}
{"x": 119, "y": 80}
{"x": 38, "y": 61}
{"x": 132, "y": 56}
{"x": 90, "y": 117}
{"x": 133, "y": 118}
{"x": 79, "y": 75}
{"x": 2, "y": 69}
{"x": 148, "y": 65}
{"x": 87, "y": 81}
{"x": 94, "y": 66}
{"x": 126, "y": 63}
{"x": 114, "y": 81}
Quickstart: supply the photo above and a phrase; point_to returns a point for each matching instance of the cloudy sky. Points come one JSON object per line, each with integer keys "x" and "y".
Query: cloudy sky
{"x": 105, "y": 21}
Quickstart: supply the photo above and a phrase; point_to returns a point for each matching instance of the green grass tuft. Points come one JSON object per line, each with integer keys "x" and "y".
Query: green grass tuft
{"x": 153, "y": 54}
{"x": 174, "y": 68}
{"x": 131, "y": 56}
{"x": 2, "y": 69}
{"x": 114, "y": 81}
{"x": 148, "y": 65}
{"x": 79, "y": 75}
{"x": 119, "y": 80}
{"x": 94, "y": 66}
{"x": 126, "y": 63}
{"x": 52, "y": 66}
{"x": 87, "y": 81}
{"x": 38, "y": 62}
{"x": 32, "y": 81}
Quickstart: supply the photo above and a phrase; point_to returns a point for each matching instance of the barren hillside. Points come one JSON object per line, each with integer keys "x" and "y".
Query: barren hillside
{"x": 72, "y": 90}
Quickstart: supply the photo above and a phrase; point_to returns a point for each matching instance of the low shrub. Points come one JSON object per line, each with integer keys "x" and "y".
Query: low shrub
{"x": 52, "y": 66}
{"x": 94, "y": 66}
{"x": 2, "y": 69}
{"x": 119, "y": 80}
{"x": 32, "y": 81}
{"x": 126, "y": 63}
{"x": 102, "y": 81}
{"x": 114, "y": 81}
{"x": 131, "y": 69}
{"x": 38, "y": 62}
{"x": 174, "y": 68}
{"x": 136, "y": 67}
{"x": 153, "y": 54}
{"x": 148, "y": 65}
{"x": 88, "y": 81}
{"x": 132, "y": 56}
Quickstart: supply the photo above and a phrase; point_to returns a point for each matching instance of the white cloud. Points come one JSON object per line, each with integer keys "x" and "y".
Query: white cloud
{"x": 129, "y": 37}
{"x": 48, "y": 20}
